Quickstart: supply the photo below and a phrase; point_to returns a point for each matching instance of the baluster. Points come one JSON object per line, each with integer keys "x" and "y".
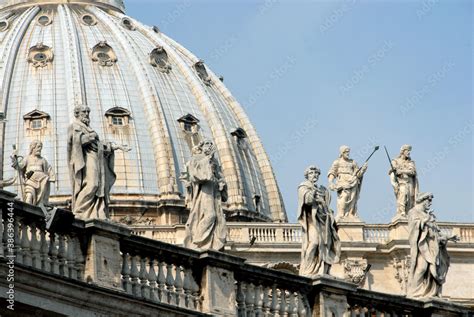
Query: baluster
{"x": 283, "y": 304}
{"x": 259, "y": 301}
{"x": 292, "y": 307}
{"x": 152, "y": 278}
{"x": 171, "y": 298}
{"x": 178, "y": 283}
{"x": 240, "y": 298}
{"x": 80, "y": 260}
{"x": 250, "y": 300}
{"x": 126, "y": 285}
{"x": 25, "y": 245}
{"x": 35, "y": 248}
{"x": 144, "y": 290}
{"x": 187, "y": 286}
{"x": 62, "y": 254}
{"x": 196, "y": 291}
{"x": 301, "y": 305}
{"x": 134, "y": 276}
{"x": 266, "y": 302}
{"x": 162, "y": 293}
{"x": 53, "y": 253}
{"x": 274, "y": 307}
{"x": 70, "y": 257}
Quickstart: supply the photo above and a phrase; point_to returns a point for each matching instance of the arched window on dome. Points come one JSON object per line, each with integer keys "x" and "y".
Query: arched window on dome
{"x": 159, "y": 59}
{"x": 118, "y": 117}
{"x": 36, "y": 122}
{"x": 103, "y": 54}
{"x": 190, "y": 127}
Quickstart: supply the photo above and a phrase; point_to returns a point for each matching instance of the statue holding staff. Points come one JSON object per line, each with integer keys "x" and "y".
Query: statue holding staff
{"x": 321, "y": 247}
{"x": 35, "y": 175}
{"x": 404, "y": 180}
{"x": 345, "y": 177}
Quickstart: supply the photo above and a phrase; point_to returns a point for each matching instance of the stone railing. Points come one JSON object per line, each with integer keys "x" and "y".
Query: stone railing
{"x": 25, "y": 238}
{"x": 106, "y": 258}
{"x": 284, "y": 233}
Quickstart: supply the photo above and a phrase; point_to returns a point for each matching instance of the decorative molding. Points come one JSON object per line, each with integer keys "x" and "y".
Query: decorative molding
{"x": 284, "y": 267}
{"x": 355, "y": 271}
{"x": 103, "y": 54}
{"x": 402, "y": 268}
{"x": 40, "y": 55}
{"x": 202, "y": 72}
{"x": 159, "y": 59}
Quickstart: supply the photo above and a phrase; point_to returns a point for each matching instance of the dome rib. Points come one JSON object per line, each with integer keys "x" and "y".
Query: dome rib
{"x": 277, "y": 208}
{"x": 219, "y": 135}
{"x": 162, "y": 150}
{"x": 8, "y": 56}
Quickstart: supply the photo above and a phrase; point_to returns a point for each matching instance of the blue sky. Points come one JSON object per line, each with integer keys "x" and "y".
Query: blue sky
{"x": 313, "y": 75}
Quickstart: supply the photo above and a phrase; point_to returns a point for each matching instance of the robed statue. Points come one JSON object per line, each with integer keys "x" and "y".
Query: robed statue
{"x": 35, "y": 175}
{"x": 205, "y": 192}
{"x": 404, "y": 180}
{"x": 428, "y": 250}
{"x": 91, "y": 167}
{"x": 321, "y": 246}
{"x": 345, "y": 177}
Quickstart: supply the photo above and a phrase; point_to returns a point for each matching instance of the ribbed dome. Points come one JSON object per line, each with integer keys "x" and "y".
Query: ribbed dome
{"x": 143, "y": 88}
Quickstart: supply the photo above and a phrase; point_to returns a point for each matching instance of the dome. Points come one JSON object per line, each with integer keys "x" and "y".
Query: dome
{"x": 143, "y": 88}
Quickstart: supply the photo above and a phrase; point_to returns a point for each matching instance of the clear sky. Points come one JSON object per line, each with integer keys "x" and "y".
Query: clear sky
{"x": 313, "y": 75}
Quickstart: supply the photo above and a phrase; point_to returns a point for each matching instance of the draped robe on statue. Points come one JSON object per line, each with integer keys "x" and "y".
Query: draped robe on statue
{"x": 91, "y": 172}
{"x": 320, "y": 241}
{"x": 206, "y": 227}
{"x": 429, "y": 256}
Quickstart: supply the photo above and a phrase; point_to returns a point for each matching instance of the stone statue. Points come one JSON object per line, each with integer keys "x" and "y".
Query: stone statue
{"x": 36, "y": 175}
{"x": 321, "y": 246}
{"x": 345, "y": 177}
{"x": 404, "y": 180}
{"x": 429, "y": 257}
{"x": 206, "y": 190}
{"x": 91, "y": 167}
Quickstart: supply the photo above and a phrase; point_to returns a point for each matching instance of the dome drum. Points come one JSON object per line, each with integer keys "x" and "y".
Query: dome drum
{"x": 144, "y": 90}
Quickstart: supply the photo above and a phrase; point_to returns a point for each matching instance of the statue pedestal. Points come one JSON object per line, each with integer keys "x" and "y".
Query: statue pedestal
{"x": 399, "y": 229}
{"x": 351, "y": 229}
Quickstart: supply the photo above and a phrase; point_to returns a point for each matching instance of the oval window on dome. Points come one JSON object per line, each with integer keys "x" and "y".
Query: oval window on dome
{"x": 88, "y": 19}
{"x": 44, "y": 20}
{"x": 4, "y": 25}
{"x": 40, "y": 55}
{"x": 128, "y": 24}
{"x": 159, "y": 59}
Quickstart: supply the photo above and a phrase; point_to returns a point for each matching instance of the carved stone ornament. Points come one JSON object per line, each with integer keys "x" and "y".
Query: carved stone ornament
{"x": 103, "y": 54}
{"x": 159, "y": 59}
{"x": 402, "y": 268}
{"x": 40, "y": 55}
{"x": 202, "y": 72}
{"x": 355, "y": 271}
